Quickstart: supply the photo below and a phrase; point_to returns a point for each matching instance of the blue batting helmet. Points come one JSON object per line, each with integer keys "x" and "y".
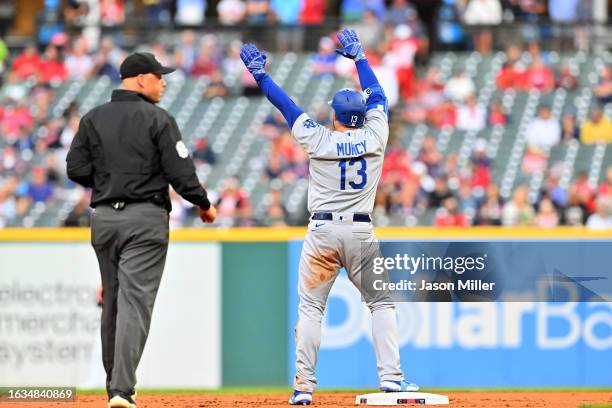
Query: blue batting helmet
{"x": 350, "y": 107}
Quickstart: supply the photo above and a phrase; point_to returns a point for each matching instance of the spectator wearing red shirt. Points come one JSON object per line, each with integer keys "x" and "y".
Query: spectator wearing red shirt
{"x": 534, "y": 160}
{"x": 28, "y": 63}
{"x": 17, "y": 117}
{"x": 53, "y": 68}
{"x": 605, "y": 188}
{"x": 497, "y": 117}
{"x": 313, "y": 12}
{"x": 539, "y": 76}
{"x": 511, "y": 76}
{"x": 444, "y": 115}
{"x": 285, "y": 147}
{"x": 205, "y": 64}
{"x": 112, "y": 12}
{"x": 396, "y": 167}
{"x": 567, "y": 79}
{"x": 584, "y": 190}
{"x": 400, "y": 58}
{"x": 428, "y": 96}
{"x": 312, "y": 15}
{"x": 449, "y": 215}
{"x": 481, "y": 164}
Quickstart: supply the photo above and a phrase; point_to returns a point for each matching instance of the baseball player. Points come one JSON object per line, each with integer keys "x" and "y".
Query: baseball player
{"x": 345, "y": 168}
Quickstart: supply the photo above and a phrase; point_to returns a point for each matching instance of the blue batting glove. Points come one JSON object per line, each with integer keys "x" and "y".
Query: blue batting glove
{"x": 350, "y": 43}
{"x": 253, "y": 59}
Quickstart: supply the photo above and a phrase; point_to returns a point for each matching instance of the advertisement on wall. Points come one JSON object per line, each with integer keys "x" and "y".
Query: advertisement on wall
{"x": 50, "y": 320}
{"x": 464, "y": 344}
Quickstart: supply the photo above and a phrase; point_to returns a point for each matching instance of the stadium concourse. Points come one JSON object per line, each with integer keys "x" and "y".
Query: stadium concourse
{"x": 514, "y": 136}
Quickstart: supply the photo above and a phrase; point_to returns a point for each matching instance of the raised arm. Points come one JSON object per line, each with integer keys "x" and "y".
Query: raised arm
{"x": 255, "y": 62}
{"x": 352, "y": 49}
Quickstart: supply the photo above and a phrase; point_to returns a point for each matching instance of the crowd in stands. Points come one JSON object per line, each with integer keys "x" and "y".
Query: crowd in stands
{"x": 412, "y": 185}
{"x": 409, "y": 187}
{"x": 34, "y": 140}
{"x": 561, "y": 24}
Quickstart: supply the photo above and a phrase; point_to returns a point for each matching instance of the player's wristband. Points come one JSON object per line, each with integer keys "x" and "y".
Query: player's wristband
{"x": 260, "y": 77}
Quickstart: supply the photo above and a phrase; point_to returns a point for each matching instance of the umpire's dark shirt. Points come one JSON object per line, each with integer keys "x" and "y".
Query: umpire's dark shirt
{"x": 129, "y": 150}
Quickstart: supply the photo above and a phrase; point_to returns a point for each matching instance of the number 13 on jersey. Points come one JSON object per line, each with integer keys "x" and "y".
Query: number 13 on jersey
{"x": 362, "y": 177}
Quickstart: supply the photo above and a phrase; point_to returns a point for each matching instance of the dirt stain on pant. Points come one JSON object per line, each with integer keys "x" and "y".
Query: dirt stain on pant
{"x": 322, "y": 267}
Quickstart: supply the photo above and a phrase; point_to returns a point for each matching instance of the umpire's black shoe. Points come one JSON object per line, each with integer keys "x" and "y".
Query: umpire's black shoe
{"x": 121, "y": 401}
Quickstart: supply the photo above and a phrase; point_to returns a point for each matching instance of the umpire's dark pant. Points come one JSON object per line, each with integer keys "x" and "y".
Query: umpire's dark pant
{"x": 131, "y": 246}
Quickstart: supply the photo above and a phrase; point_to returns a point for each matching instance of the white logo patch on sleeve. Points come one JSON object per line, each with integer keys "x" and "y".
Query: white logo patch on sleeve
{"x": 181, "y": 149}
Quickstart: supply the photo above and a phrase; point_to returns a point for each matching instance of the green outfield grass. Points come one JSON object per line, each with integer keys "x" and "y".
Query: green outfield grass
{"x": 596, "y": 406}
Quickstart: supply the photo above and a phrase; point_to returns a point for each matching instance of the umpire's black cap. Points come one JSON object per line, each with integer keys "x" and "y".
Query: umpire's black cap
{"x": 142, "y": 63}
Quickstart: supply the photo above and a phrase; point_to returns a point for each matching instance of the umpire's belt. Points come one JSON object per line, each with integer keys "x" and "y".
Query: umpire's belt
{"x": 119, "y": 205}
{"x": 327, "y": 216}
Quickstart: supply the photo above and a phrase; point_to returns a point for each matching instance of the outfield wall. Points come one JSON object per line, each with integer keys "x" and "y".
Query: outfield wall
{"x": 463, "y": 344}
{"x": 227, "y": 307}
{"x": 49, "y": 318}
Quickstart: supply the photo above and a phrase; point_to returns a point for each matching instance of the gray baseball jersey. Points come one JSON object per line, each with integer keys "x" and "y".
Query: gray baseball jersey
{"x": 345, "y": 167}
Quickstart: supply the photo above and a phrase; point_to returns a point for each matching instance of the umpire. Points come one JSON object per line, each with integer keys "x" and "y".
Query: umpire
{"x": 128, "y": 150}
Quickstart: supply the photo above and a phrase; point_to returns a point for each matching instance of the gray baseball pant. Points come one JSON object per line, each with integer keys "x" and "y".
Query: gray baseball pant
{"x": 330, "y": 245}
{"x": 131, "y": 246}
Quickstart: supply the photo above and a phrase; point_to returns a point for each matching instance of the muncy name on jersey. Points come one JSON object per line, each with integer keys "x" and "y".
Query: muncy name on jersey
{"x": 351, "y": 149}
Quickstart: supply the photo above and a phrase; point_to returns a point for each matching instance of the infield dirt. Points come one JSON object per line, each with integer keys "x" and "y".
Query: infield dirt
{"x": 507, "y": 399}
